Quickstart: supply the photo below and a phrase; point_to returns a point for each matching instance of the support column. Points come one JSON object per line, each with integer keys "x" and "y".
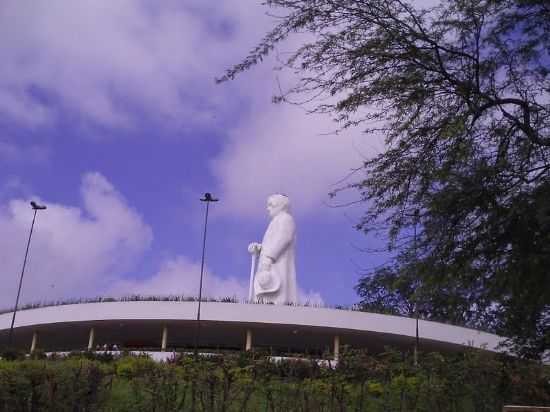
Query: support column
{"x": 336, "y": 347}
{"x": 34, "y": 341}
{"x": 248, "y": 344}
{"x": 91, "y": 339}
{"x": 164, "y": 338}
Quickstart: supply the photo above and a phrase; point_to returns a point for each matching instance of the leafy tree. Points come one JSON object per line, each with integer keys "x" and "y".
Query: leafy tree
{"x": 461, "y": 93}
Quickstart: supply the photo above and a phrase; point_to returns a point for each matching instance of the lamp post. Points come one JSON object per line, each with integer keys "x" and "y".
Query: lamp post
{"x": 36, "y": 207}
{"x": 417, "y": 340}
{"x": 207, "y": 199}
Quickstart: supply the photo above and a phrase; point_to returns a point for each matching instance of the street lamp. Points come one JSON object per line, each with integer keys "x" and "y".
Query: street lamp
{"x": 36, "y": 207}
{"x": 207, "y": 199}
{"x": 416, "y": 216}
{"x": 417, "y": 340}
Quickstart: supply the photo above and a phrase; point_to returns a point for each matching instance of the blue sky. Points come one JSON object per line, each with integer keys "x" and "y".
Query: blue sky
{"x": 110, "y": 115}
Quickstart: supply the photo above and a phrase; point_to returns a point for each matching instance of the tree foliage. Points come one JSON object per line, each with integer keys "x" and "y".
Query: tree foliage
{"x": 461, "y": 93}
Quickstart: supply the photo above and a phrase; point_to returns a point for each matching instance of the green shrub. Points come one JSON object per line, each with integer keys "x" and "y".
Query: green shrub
{"x": 463, "y": 382}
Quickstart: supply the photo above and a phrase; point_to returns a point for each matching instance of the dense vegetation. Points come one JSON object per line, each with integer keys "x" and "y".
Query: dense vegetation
{"x": 461, "y": 93}
{"x": 471, "y": 381}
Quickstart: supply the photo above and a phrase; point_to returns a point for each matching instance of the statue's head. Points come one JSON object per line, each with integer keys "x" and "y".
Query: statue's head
{"x": 276, "y": 204}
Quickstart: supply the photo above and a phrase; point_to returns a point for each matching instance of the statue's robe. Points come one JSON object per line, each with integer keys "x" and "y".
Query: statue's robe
{"x": 279, "y": 244}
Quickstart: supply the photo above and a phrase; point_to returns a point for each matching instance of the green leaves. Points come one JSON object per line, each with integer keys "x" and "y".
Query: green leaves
{"x": 386, "y": 382}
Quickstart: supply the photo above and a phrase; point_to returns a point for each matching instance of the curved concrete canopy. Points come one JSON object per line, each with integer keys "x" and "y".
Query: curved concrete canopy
{"x": 141, "y": 323}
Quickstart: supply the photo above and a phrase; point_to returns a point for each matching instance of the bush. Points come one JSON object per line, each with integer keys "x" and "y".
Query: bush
{"x": 469, "y": 381}
{"x": 8, "y": 353}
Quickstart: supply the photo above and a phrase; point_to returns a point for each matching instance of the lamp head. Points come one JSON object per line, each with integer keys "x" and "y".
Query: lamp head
{"x": 208, "y": 198}
{"x": 36, "y": 206}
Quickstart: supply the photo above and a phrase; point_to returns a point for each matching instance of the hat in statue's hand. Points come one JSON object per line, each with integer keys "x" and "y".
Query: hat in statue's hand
{"x": 266, "y": 282}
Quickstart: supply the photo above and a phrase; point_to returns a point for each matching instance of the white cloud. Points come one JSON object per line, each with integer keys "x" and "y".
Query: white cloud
{"x": 16, "y": 104}
{"x": 34, "y": 153}
{"x": 74, "y": 252}
{"x": 283, "y": 150}
{"x": 180, "y": 276}
{"x": 111, "y": 62}
{"x": 310, "y": 297}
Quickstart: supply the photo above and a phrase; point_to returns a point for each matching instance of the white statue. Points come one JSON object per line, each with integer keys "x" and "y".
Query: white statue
{"x": 275, "y": 278}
